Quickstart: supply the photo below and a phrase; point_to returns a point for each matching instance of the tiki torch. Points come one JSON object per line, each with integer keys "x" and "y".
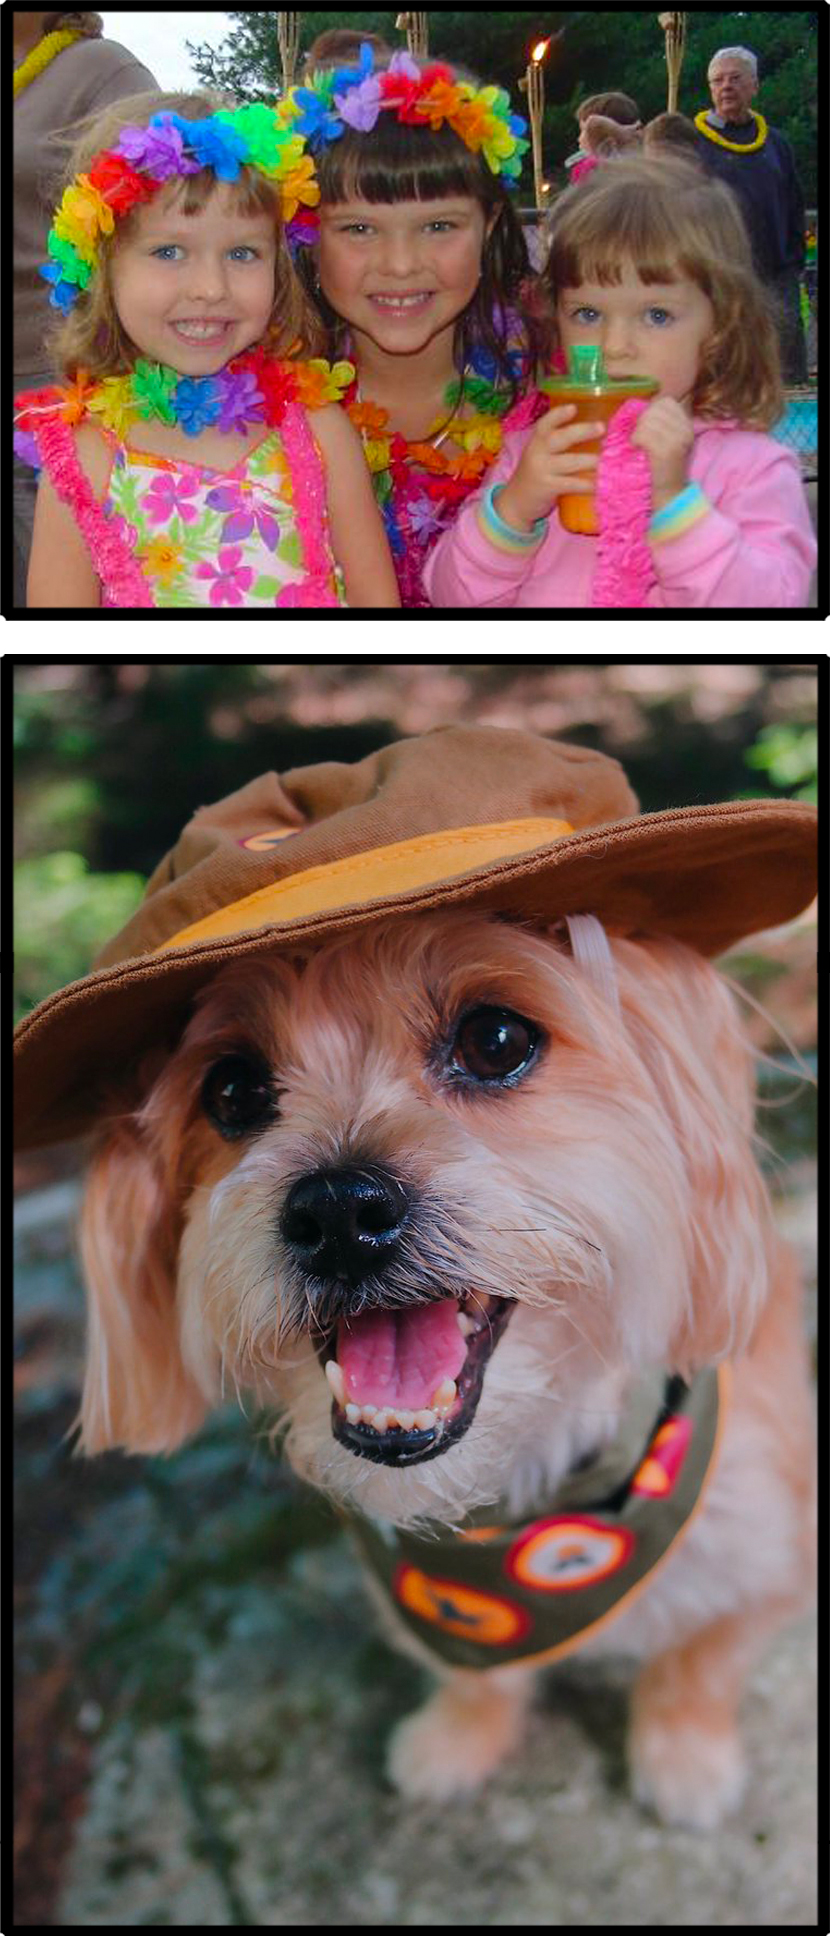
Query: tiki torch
{"x": 533, "y": 86}
{"x": 674, "y": 28}
{"x": 416, "y": 28}
{"x": 288, "y": 35}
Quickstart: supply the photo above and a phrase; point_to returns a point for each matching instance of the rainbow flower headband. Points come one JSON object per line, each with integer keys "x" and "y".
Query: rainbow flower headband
{"x": 143, "y": 159}
{"x": 355, "y": 97}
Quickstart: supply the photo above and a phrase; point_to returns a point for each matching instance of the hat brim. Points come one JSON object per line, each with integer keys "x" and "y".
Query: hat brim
{"x": 707, "y": 876}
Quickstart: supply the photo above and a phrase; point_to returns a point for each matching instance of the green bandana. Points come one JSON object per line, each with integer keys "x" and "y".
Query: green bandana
{"x": 497, "y": 1593}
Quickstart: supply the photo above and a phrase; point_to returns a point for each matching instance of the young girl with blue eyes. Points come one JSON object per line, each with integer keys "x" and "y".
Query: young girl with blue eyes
{"x": 699, "y": 506}
{"x": 196, "y": 456}
{"x": 417, "y": 262}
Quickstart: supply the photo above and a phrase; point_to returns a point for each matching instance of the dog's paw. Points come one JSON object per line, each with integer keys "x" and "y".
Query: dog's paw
{"x": 688, "y": 1776}
{"x": 451, "y": 1745}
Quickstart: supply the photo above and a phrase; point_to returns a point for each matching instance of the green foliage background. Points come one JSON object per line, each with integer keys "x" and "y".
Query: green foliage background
{"x": 595, "y": 49}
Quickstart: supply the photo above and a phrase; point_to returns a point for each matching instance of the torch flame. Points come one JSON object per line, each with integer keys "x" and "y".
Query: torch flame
{"x": 540, "y": 50}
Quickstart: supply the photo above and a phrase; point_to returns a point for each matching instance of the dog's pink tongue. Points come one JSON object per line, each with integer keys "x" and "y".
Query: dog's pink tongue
{"x": 399, "y": 1358}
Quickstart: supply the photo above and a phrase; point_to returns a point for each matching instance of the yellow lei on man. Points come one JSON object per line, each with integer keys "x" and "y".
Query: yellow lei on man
{"x": 41, "y": 55}
{"x": 735, "y": 147}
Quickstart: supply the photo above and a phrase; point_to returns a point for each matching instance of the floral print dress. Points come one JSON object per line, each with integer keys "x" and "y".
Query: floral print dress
{"x": 206, "y": 537}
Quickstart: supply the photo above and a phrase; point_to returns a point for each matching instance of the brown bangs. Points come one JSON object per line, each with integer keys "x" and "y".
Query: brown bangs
{"x": 596, "y": 241}
{"x": 252, "y": 194}
{"x": 399, "y": 165}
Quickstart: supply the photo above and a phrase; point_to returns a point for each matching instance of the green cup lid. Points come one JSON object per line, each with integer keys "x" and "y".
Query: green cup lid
{"x": 586, "y": 371}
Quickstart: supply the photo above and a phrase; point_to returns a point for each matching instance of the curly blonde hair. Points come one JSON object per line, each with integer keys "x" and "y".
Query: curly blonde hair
{"x": 667, "y": 219}
{"x": 91, "y": 336}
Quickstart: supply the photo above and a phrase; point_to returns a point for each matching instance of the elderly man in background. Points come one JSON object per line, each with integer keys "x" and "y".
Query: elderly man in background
{"x": 757, "y": 161}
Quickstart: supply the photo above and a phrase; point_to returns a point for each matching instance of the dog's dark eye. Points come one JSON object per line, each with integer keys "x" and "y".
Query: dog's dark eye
{"x": 493, "y": 1043}
{"x": 237, "y": 1095}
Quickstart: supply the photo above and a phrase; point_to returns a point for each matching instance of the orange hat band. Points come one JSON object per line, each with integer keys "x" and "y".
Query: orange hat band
{"x": 362, "y": 878}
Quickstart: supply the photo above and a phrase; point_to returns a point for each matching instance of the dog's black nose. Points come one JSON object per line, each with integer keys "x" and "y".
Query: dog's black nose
{"x": 344, "y": 1223}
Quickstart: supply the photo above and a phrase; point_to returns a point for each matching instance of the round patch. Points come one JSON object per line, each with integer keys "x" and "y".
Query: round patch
{"x": 559, "y": 1555}
{"x": 459, "y": 1609}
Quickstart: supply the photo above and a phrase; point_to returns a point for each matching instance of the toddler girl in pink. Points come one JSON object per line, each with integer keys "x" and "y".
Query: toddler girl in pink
{"x": 699, "y": 506}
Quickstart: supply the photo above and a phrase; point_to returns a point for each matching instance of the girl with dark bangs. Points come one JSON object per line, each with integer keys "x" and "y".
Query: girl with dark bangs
{"x": 417, "y": 265}
{"x": 649, "y": 270}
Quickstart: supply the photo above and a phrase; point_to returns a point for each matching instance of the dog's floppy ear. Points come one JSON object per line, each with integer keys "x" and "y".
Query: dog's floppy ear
{"x": 137, "y": 1392}
{"x": 685, "y": 1022}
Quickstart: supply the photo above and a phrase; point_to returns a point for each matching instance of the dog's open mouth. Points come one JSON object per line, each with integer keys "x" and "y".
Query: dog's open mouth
{"x": 406, "y": 1383}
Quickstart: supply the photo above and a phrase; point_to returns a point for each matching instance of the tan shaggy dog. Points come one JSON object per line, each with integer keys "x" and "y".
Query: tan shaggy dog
{"x": 440, "y": 1192}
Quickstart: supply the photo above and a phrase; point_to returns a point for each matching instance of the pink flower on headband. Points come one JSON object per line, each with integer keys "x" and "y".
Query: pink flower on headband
{"x": 159, "y": 150}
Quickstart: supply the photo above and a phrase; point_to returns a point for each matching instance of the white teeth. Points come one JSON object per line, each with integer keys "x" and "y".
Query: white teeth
{"x": 401, "y": 302}
{"x": 382, "y": 1417}
{"x": 200, "y": 330}
{"x": 465, "y": 1324}
{"x": 335, "y": 1378}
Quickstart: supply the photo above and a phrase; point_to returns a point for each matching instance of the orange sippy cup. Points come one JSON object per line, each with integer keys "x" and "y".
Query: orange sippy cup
{"x": 596, "y": 396}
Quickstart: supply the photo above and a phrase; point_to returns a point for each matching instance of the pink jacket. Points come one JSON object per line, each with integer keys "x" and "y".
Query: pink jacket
{"x": 754, "y": 548}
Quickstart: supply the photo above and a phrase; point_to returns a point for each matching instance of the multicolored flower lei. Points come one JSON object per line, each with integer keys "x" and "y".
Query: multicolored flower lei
{"x": 144, "y": 159}
{"x": 354, "y": 97}
{"x": 251, "y": 389}
{"x": 417, "y": 485}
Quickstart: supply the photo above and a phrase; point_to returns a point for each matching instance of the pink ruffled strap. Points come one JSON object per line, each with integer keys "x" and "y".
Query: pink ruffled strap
{"x": 625, "y": 569}
{"x": 122, "y": 582}
{"x": 309, "y": 483}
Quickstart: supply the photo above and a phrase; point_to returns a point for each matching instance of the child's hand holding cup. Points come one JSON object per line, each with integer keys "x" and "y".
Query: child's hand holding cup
{"x": 593, "y": 398}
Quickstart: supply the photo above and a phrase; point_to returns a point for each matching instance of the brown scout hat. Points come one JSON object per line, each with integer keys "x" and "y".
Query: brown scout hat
{"x": 477, "y": 816}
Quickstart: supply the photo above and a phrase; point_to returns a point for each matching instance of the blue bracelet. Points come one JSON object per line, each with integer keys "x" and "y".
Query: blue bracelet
{"x": 504, "y": 535}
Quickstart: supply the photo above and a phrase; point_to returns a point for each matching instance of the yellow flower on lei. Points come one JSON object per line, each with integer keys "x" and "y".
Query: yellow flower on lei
{"x": 299, "y": 186}
{"x": 474, "y": 433}
{"x": 112, "y": 404}
{"x": 319, "y": 382}
{"x": 378, "y": 452}
{"x": 86, "y": 210}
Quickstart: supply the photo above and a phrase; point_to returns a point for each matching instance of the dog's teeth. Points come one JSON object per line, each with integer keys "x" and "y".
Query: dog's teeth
{"x": 465, "y": 1324}
{"x": 444, "y": 1394}
{"x": 383, "y": 1417}
{"x": 335, "y": 1378}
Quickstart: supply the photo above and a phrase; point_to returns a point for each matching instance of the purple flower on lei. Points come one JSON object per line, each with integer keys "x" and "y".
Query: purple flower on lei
{"x": 403, "y": 63}
{"x": 425, "y": 521}
{"x": 245, "y": 515}
{"x": 361, "y": 106}
{"x": 241, "y": 401}
{"x": 158, "y": 149}
{"x": 25, "y": 447}
{"x": 232, "y": 579}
